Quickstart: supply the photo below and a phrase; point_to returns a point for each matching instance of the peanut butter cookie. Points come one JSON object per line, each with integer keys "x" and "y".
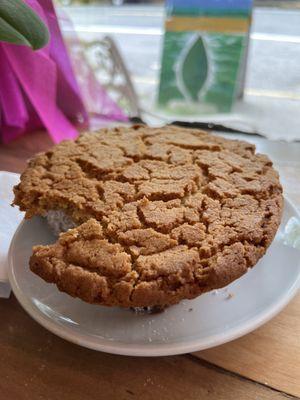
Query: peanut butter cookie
{"x": 158, "y": 214}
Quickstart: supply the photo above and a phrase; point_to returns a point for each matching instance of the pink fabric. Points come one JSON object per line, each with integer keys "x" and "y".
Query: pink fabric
{"x": 68, "y": 99}
{"x": 40, "y": 89}
{"x": 14, "y": 114}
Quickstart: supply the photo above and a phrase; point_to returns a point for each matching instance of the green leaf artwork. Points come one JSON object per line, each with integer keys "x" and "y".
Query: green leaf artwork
{"x": 19, "y": 24}
{"x": 200, "y": 72}
{"x": 192, "y": 69}
{"x": 204, "y": 56}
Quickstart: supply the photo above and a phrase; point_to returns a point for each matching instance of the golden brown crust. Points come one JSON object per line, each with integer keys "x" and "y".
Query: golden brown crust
{"x": 166, "y": 213}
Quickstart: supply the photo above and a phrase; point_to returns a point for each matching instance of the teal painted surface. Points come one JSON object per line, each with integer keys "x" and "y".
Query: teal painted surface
{"x": 208, "y": 12}
{"x": 214, "y": 4}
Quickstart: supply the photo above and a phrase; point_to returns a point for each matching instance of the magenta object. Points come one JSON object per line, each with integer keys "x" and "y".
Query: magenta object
{"x": 38, "y": 89}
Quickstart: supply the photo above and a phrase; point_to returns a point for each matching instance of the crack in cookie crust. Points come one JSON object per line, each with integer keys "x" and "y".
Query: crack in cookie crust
{"x": 164, "y": 213}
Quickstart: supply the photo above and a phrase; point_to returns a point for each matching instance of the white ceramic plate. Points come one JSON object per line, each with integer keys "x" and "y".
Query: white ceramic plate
{"x": 209, "y": 320}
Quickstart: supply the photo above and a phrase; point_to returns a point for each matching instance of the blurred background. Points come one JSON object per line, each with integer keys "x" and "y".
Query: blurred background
{"x": 120, "y": 2}
{"x": 272, "y": 80}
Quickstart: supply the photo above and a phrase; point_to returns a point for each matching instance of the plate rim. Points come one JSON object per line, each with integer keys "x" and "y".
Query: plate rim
{"x": 151, "y": 350}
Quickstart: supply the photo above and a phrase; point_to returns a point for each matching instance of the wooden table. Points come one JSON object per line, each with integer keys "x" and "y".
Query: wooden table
{"x": 35, "y": 364}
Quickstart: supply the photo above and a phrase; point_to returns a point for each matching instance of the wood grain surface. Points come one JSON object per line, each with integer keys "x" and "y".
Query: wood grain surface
{"x": 270, "y": 355}
{"x": 35, "y": 364}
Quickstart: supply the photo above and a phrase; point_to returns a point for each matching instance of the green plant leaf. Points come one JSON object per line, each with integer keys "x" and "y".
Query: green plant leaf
{"x": 10, "y": 34}
{"x": 19, "y": 24}
{"x": 195, "y": 68}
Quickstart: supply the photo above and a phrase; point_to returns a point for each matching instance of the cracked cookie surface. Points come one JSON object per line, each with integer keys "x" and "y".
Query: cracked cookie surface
{"x": 163, "y": 214}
